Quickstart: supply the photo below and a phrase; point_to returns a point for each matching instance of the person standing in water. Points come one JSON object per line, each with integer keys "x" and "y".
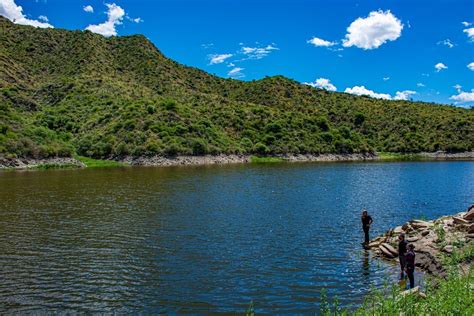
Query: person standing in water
{"x": 366, "y": 222}
{"x": 410, "y": 264}
{"x": 402, "y": 251}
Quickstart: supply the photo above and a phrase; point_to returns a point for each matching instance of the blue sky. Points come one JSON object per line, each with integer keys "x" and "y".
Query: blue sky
{"x": 363, "y": 47}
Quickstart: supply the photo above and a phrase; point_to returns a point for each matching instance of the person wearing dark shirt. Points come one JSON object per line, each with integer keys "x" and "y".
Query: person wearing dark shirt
{"x": 410, "y": 264}
{"x": 366, "y": 222}
{"x": 402, "y": 250}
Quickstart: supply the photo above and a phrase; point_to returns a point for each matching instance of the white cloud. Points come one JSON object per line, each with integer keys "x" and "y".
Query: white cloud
{"x": 320, "y": 42}
{"x": 115, "y": 16}
{"x": 446, "y": 42}
{"x": 403, "y": 95}
{"x": 463, "y": 97}
{"x": 236, "y": 72}
{"x": 322, "y": 83}
{"x": 458, "y": 87}
{"x": 218, "y": 58}
{"x": 258, "y": 52}
{"x": 440, "y": 66}
{"x": 88, "y": 8}
{"x": 43, "y": 18}
{"x": 386, "y": 78}
{"x": 471, "y": 66}
{"x": 470, "y": 33}
{"x": 419, "y": 84}
{"x": 137, "y": 20}
{"x": 361, "y": 90}
{"x": 466, "y": 23}
{"x": 14, "y": 13}
{"x": 374, "y": 30}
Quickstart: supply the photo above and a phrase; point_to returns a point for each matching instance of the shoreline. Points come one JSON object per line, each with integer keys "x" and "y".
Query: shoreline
{"x": 162, "y": 161}
{"x": 435, "y": 241}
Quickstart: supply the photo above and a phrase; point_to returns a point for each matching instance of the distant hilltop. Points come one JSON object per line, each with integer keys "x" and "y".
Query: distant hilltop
{"x": 64, "y": 93}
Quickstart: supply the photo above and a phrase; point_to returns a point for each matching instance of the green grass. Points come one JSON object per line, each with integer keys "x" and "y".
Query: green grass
{"x": 96, "y": 163}
{"x": 389, "y": 156}
{"x": 255, "y": 159}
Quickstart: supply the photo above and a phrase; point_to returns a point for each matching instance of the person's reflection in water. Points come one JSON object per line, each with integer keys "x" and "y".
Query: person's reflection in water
{"x": 365, "y": 264}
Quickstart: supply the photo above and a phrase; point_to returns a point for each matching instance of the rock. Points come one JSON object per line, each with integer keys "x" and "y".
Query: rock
{"x": 425, "y": 232}
{"x": 418, "y": 224}
{"x": 459, "y": 220}
{"x": 398, "y": 230}
{"x": 470, "y": 236}
{"x": 470, "y": 229}
{"x": 413, "y": 239}
{"x": 385, "y": 251}
{"x": 469, "y": 216}
{"x": 406, "y": 226}
{"x": 448, "y": 249}
{"x": 391, "y": 249}
{"x": 414, "y": 291}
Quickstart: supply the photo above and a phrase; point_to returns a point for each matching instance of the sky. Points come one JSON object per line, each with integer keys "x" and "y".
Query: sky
{"x": 401, "y": 49}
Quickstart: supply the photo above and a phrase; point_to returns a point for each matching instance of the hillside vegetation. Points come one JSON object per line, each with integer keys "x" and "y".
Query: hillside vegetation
{"x": 75, "y": 92}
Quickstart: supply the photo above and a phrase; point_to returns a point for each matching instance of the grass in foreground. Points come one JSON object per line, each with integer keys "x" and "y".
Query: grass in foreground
{"x": 96, "y": 163}
{"x": 255, "y": 159}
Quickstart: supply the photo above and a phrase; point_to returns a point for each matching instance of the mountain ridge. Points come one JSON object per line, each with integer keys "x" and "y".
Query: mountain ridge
{"x": 74, "y": 92}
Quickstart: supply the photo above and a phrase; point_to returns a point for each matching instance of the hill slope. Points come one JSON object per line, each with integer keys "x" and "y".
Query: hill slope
{"x": 65, "y": 92}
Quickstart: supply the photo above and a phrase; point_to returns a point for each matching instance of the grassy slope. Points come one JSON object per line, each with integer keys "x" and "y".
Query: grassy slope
{"x": 65, "y": 93}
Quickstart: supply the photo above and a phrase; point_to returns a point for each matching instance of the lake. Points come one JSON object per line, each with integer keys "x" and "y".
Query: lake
{"x": 209, "y": 239}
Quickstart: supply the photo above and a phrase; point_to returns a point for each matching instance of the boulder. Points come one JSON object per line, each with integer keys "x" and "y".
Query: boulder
{"x": 448, "y": 249}
{"x": 413, "y": 238}
{"x": 469, "y": 216}
{"x": 391, "y": 249}
{"x": 425, "y": 232}
{"x": 459, "y": 220}
{"x": 398, "y": 230}
{"x": 418, "y": 224}
{"x": 385, "y": 251}
{"x": 470, "y": 229}
{"x": 414, "y": 291}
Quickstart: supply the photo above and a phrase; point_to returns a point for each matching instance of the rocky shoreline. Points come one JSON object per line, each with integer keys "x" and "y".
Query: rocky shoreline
{"x": 28, "y": 163}
{"x": 432, "y": 239}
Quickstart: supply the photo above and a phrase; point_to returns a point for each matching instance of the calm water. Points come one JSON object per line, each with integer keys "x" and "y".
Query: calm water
{"x": 202, "y": 239}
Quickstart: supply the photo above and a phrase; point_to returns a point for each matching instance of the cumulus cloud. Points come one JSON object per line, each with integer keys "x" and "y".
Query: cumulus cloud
{"x": 440, "y": 66}
{"x": 373, "y": 31}
{"x": 257, "y": 52}
{"x": 466, "y": 23}
{"x": 361, "y": 90}
{"x": 322, "y": 83}
{"x": 218, "y": 58}
{"x": 115, "y": 16}
{"x": 236, "y": 72}
{"x": 470, "y": 33}
{"x": 88, "y": 8}
{"x": 320, "y": 42}
{"x": 14, "y": 13}
{"x": 43, "y": 18}
{"x": 458, "y": 87}
{"x": 446, "y": 42}
{"x": 471, "y": 66}
{"x": 419, "y": 84}
{"x": 403, "y": 95}
{"x": 463, "y": 97}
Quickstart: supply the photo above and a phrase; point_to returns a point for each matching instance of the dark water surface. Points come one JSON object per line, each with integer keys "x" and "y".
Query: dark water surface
{"x": 208, "y": 239}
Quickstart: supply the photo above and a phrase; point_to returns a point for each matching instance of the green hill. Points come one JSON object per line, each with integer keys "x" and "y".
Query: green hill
{"x": 65, "y": 92}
